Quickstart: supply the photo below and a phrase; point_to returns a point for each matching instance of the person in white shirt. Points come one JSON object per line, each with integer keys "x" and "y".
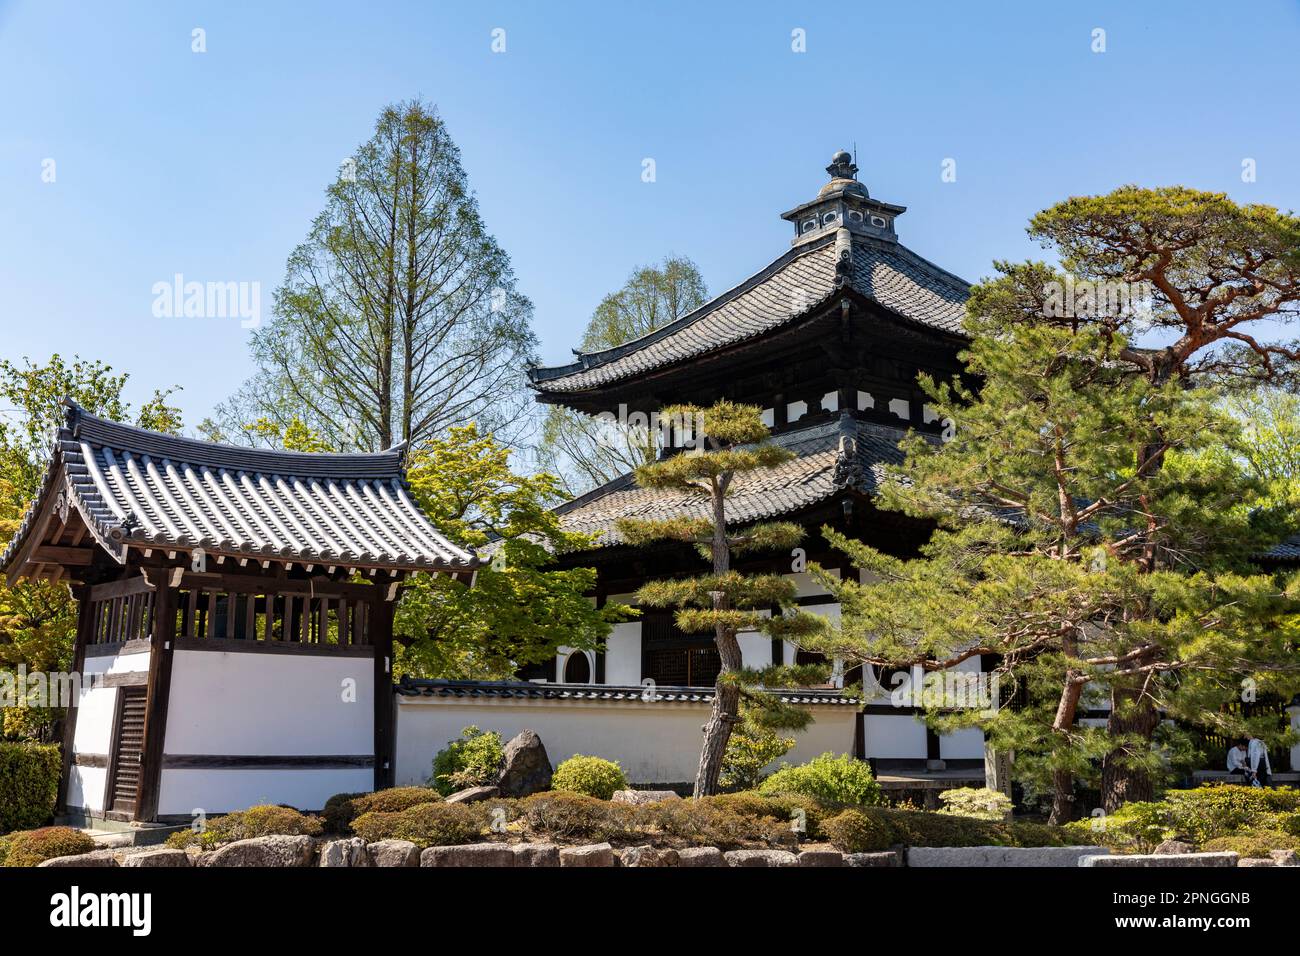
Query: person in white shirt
{"x": 1248, "y": 757}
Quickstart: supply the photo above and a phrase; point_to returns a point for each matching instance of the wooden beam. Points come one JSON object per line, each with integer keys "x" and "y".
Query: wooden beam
{"x": 381, "y": 639}
{"x": 159, "y": 695}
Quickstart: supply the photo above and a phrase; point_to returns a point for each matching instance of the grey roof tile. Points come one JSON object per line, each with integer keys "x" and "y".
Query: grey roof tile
{"x": 830, "y": 457}
{"x": 792, "y": 286}
{"x": 143, "y": 488}
{"x": 617, "y": 693}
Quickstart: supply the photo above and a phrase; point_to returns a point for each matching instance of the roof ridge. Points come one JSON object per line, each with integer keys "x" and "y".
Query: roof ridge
{"x": 894, "y": 245}
{"x": 603, "y": 356}
{"x": 94, "y": 429}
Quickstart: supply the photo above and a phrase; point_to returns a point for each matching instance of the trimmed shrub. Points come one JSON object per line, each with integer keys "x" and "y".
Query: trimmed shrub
{"x": 569, "y": 815}
{"x": 425, "y": 824}
{"x": 31, "y": 847}
{"x": 922, "y": 828}
{"x": 976, "y": 803}
{"x": 800, "y": 814}
{"x": 593, "y": 776}
{"x": 1208, "y": 812}
{"x": 29, "y": 784}
{"x": 855, "y": 831}
{"x": 1257, "y": 844}
{"x": 1137, "y": 826}
{"x": 474, "y": 759}
{"x": 342, "y": 808}
{"x": 338, "y": 813}
{"x": 1291, "y": 824}
{"x": 708, "y": 822}
{"x": 834, "y": 780}
{"x": 264, "y": 820}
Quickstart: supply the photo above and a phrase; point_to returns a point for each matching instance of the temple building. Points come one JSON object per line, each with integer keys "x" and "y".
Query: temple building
{"x": 234, "y": 638}
{"x": 828, "y": 339}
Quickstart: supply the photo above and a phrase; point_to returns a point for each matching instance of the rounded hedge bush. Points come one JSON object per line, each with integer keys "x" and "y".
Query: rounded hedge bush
{"x": 571, "y": 815}
{"x": 342, "y": 808}
{"x": 593, "y": 776}
{"x": 802, "y": 815}
{"x": 425, "y": 824}
{"x": 834, "y": 780}
{"x": 1257, "y": 844}
{"x": 32, "y": 847}
{"x": 29, "y": 784}
{"x": 472, "y": 760}
{"x": 263, "y": 820}
{"x": 854, "y": 831}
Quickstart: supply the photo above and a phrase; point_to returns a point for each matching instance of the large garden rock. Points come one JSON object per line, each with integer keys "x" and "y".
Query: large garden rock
{"x": 393, "y": 853}
{"x": 701, "y": 856}
{"x": 1170, "y": 847}
{"x": 593, "y": 854}
{"x": 95, "y": 858}
{"x": 469, "y": 854}
{"x": 160, "y": 857}
{"x": 526, "y": 769}
{"x": 878, "y": 859}
{"x": 1285, "y": 857}
{"x": 641, "y": 798}
{"x": 821, "y": 858}
{"x": 648, "y": 856}
{"x": 350, "y": 852}
{"x": 264, "y": 851}
{"x": 1254, "y": 861}
{"x": 761, "y": 858}
{"x": 1000, "y": 856}
{"x": 1169, "y": 860}
{"x": 536, "y": 854}
{"x": 473, "y": 795}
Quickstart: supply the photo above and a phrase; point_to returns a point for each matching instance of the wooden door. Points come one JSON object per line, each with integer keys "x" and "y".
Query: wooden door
{"x": 128, "y": 747}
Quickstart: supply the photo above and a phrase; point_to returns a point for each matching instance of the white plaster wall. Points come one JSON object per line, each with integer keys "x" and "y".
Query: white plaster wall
{"x": 889, "y": 736}
{"x": 654, "y": 743}
{"x": 94, "y": 729}
{"x": 967, "y": 744}
{"x": 86, "y": 787}
{"x": 185, "y": 791}
{"x": 755, "y": 649}
{"x": 137, "y": 663}
{"x": 623, "y": 654}
{"x": 248, "y": 703}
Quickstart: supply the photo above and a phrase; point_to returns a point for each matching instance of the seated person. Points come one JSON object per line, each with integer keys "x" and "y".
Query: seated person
{"x": 1238, "y": 762}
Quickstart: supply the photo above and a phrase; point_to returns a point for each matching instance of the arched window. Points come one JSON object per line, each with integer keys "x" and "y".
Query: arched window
{"x": 577, "y": 669}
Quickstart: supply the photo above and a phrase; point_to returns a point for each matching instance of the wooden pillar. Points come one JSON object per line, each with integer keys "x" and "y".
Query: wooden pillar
{"x": 381, "y": 639}
{"x": 162, "y": 645}
{"x": 85, "y": 620}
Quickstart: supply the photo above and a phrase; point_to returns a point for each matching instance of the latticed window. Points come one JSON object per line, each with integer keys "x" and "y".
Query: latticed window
{"x": 672, "y": 658}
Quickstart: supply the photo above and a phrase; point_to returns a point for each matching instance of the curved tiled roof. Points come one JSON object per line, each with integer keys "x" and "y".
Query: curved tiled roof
{"x": 830, "y": 457}
{"x": 798, "y": 283}
{"x": 603, "y": 693}
{"x": 151, "y": 490}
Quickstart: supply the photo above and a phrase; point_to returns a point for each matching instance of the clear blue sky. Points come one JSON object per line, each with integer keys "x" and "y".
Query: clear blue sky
{"x": 212, "y": 165}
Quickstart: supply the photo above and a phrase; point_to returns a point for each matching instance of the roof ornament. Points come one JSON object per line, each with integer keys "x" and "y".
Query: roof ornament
{"x": 842, "y": 166}
{"x": 127, "y": 527}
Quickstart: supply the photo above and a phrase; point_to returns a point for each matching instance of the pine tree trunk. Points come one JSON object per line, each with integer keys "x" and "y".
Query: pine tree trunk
{"x": 726, "y": 692}
{"x": 722, "y": 718}
{"x": 1122, "y": 782}
{"x": 1066, "y": 708}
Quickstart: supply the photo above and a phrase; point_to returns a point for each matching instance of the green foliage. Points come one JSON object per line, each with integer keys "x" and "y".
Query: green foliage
{"x": 472, "y": 760}
{"x": 593, "y": 776}
{"x": 342, "y": 808}
{"x": 853, "y": 831}
{"x": 832, "y": 779}
{"x": 33, "y": 847}
{"x": 1136, "y": 826}
{"x": 262, "y": 820}
{"x": 977, "y": 803}
{"x": 569, "y": 815}
{"x": 751, "y": 748}
{"x": 1204, "y": 813}
{"x": 399, "y": 314}
{"x": 1256, "y": 844}
{"x": 802, "y": 815}
{"x": 29, "y": 784}
{"x": 425, "y": 824}
{"x": 711, "y": 822}
{"x": 586, "y": 451}
{"x": 521, "y": 609}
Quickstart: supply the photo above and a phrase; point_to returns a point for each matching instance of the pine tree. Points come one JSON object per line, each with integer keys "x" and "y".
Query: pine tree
{"x": 732, "y": 442}
{"x": 1084, "y": 553}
